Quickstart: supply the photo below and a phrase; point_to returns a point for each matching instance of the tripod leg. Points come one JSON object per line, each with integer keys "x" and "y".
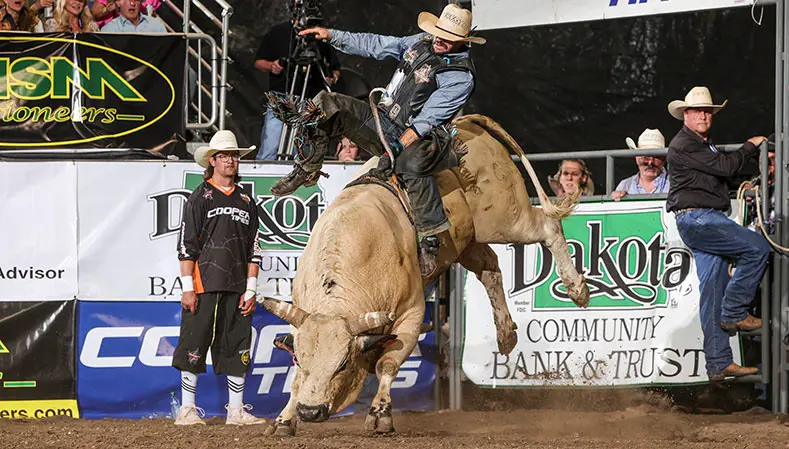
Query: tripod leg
{"x": 287, "y": 135}
{"x": 302, "y": 97}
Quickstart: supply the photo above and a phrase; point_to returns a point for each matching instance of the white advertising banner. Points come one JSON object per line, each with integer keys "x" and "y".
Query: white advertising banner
{"x": 642, "y": 325}
{"x": 493, "y": 14}
{"x": 39, "y": 228}
{"x": 130, "y": 214}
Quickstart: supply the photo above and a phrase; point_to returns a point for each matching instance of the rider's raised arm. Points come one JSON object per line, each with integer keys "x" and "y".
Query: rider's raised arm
{"x": 454, "y": 89}
{"x": 372, "y": 45}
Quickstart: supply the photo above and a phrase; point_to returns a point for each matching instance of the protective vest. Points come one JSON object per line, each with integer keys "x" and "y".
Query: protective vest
{"x": 415, "y": 80}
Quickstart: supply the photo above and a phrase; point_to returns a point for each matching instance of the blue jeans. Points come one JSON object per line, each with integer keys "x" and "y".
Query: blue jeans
{"x": 269, "y": 137}
{"x": 715, "y": 241}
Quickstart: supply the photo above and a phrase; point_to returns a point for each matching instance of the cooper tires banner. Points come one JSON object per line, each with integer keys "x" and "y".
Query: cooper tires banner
{"x": 125, "y": 357}
{"x": 642, "y": 325}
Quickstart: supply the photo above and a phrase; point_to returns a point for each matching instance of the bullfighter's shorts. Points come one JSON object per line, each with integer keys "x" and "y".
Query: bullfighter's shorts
{"x": 217, "y": 324}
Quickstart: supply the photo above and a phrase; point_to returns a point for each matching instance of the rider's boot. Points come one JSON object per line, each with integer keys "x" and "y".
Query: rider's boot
{"x": 296, "y": 178}
{"x": 428, "y": 253}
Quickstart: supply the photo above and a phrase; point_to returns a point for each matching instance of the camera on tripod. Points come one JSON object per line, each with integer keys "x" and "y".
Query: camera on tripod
{"x": 305, "y": 14}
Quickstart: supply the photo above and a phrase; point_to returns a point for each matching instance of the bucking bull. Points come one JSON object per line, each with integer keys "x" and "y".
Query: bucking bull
{"x": 358, "y": 295}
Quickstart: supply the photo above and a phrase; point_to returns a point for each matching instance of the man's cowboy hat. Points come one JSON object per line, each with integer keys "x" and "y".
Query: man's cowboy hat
{"x": 650, "y": 138}
{"x": 223, "y": 140}
{"x": 454, "y": 24}
{"x": 698, "y": 97}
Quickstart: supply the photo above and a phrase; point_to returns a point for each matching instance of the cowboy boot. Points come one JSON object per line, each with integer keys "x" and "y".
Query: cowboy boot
{"x": 296, "y": 178}
{"x": 749, "y": 323}
{"x": 428, "y": 252}
{"x": 733, "y": 370}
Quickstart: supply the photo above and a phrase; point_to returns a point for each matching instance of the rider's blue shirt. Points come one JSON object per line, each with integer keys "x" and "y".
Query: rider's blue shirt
{"x": 454, "y": 86}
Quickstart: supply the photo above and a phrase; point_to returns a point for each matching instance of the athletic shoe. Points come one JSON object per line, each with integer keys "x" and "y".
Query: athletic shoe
{"x": 238, "y": 416}
{"x": 189, "y": 415}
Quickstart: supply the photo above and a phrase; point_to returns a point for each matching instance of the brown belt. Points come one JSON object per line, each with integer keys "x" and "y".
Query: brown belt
{"x": 677, "y": 213}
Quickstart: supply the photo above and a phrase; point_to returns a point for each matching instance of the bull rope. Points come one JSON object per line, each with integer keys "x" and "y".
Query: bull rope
{"x": 377, "y": 119}
{"x": 745, "y": 186}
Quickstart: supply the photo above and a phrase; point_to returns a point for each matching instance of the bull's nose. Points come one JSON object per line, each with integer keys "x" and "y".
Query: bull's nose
{"x": 312, "y": 413}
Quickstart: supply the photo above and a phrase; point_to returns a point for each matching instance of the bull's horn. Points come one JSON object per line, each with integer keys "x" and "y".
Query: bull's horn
{"x": 370, "y": 320}
{"x": 285, "y": 310}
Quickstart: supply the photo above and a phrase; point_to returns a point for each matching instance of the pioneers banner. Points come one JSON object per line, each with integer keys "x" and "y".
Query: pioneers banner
{"x": 90, "y": 90}
{"x": 641, "y": 327}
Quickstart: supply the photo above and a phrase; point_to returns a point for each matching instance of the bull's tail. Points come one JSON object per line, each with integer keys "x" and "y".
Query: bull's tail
{"x": 557, "y": 210}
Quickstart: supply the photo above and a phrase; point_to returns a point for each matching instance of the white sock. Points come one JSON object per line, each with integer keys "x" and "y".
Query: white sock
{"x": 235, "y": 388}
{"x": 188, "y": 388}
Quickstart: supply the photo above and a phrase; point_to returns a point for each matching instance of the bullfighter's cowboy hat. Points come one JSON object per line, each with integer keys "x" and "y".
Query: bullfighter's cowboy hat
{"x": 650, "y": 138}
{"x": 698, "y": 97}
{"x": 454, "y": 25}
{"x": 223, "y": 140}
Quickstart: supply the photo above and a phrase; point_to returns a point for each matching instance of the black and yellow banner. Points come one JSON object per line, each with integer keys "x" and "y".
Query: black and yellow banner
{"x": 90, "y": 90}
{"x": 37, "y": 374}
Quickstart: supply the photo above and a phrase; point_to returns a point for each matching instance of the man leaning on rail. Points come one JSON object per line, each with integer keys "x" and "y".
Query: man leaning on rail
{"x": 698, "y": 197}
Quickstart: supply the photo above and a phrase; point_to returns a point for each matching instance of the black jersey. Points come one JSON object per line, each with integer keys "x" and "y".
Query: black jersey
{"x": 219, "y": 232}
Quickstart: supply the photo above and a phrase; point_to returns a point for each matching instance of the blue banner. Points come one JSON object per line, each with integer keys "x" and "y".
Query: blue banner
{"x": 125, "y": 353}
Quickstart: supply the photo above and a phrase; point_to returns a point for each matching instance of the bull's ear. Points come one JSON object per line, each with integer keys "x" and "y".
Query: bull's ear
{"x": 285, "y": 310}
{"x": 370, "y": 320}
{"x": 285, "y": 342}
{"x": 367, "y": 342}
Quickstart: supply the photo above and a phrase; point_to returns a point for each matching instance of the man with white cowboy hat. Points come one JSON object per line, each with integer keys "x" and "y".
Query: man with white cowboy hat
{"x": 219, "y": 256}
{"x": 699, "y": 197}
{"x": 433, "y": 81}
{"x": 651, "y": 176}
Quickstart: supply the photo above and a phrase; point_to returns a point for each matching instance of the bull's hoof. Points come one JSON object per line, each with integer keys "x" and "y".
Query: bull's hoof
{"x": 379, "y": 420}
{"x": 507, "y": 338}
{"x": 370, "y": 423}
{"x": 385, "y": 425}
{"x": 281, "y": 429}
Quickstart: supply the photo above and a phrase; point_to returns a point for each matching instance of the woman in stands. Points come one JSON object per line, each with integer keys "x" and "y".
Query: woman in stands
{"x": 571, "y": 176}
{"x": 16, "y": 16}
{"x": 71, "y": 16}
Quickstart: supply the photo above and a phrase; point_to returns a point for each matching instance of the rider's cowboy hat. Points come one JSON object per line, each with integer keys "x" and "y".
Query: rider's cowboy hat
{"x": 698, "y": 97}
{"x": 223, "y": 140}
{"x": 454, "y": 25}
{"x": 650, "y": 138}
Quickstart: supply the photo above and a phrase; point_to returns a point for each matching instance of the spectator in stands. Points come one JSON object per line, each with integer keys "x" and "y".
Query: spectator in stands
{"x": 16, "y": 16}
{"x": 652, "y": 176}
{"x": 131, "y": 20}
{"x": 43, "y": 10}
{"x": 275, "y": 48}
{"x": 347, "y": 151}
{"x": 698, "y": 197}
{"x": 571, "y": 176}
{"x": 105, "y": 11}
{"x": 71, "y": 16}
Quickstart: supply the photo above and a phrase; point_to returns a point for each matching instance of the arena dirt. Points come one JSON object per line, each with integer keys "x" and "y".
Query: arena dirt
{"x": 513, "y": 419}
